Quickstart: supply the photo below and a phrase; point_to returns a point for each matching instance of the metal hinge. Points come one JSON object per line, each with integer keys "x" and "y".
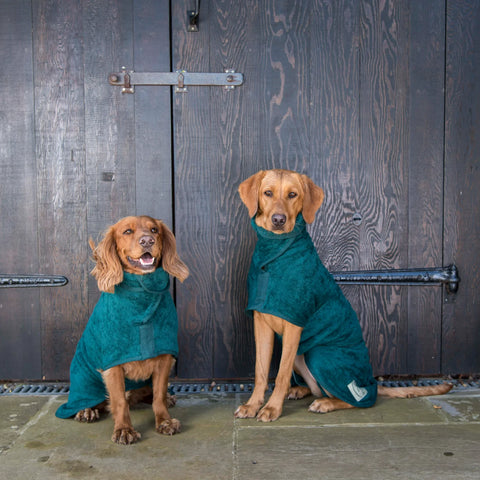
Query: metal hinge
{"x": 181, "y": 79}
{"x": 432, "y": 276}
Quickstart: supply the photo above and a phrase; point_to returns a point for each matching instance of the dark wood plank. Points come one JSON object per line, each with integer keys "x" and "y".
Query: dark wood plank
{"x": 381, "y": 180}
{"x": 333, "y": 113}
{"x": 60, "y": 150}
{"x": 229, "y": 43}
{"x": 153, "y": 132}
{"x": 194, "y": 163}
{"x": 425, "y": 184}
{"x": 20, "y": 352}
{"x": 109, "y": 118}
{"x": 462, "y": 177}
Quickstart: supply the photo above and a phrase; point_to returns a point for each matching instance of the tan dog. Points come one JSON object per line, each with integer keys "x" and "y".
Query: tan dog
{"x": 276, "y": 198}
{"x": 138, "y": 246}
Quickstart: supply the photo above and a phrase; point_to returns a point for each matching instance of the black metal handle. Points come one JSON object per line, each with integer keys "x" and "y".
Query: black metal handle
{"x": 12, "y": 281}
{"x": 433, "y": 276}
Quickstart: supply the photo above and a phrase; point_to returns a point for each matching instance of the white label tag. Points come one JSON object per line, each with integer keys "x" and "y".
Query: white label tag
{"x": 358, "y": 392}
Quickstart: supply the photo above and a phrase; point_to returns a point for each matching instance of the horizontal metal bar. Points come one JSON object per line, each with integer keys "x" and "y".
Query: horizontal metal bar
{"x": 172, "y": 78}
{"x": 12, "y": 281}
{"x": 180, "y": 79}
{"x": 427, "y": 276}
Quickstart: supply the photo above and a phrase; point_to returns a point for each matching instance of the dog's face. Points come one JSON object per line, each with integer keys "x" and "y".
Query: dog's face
{"x": 138, "y": 242}
{"x": 278, "y": 196}
{"x": 135, "y": 245}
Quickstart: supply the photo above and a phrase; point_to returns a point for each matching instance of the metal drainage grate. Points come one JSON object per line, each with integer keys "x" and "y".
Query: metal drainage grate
{"x": 219, "y": 388}
{"x": 458, "y": 384}
{"x": 35, "y": 389}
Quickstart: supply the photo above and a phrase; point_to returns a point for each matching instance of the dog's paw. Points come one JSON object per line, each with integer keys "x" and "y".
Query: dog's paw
{"x": 169, "y": 427}
{"x": 296, "y": 393}
{"x": 125, "y": 436}
{"x": 88, "y": 415}
{"x": 269, "y": 414}
{"x": 171, "y": 400}
{"x": 321, "y": 405}
{"x": 246, "y": 411}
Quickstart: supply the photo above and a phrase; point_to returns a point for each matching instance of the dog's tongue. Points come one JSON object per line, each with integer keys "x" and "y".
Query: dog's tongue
{"x": 146, "y": 259}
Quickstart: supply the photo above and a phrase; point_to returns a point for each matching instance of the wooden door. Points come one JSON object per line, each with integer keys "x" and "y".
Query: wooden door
{"x": 353, "y": 94}
{"x": 375, "y": 100}
{"x": 77, "y": 155}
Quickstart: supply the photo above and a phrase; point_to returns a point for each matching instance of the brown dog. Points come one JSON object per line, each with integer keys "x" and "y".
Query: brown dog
{"x": 133, "y": 261}
{"x": 276, "y": 198}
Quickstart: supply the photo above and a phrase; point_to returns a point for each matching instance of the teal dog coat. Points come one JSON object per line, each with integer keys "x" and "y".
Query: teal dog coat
{"x": 287, "y": 279}
{"x": 137, "y": 322}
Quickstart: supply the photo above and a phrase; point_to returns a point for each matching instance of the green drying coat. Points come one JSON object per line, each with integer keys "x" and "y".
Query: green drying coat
{"x": 137, "y": 322}
{"x": 287, "y": 279}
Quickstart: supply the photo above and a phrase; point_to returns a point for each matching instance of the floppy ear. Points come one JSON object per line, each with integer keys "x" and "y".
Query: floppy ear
{"x": 171, "y": 262}
{"x": 248, "y": 191}
{"x": 108, "y": 269}
{"x": 313, "y": 198}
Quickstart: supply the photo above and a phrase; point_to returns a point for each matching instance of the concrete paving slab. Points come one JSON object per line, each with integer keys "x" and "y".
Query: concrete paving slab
{"x": 51, "y": 448}
{"x": 424, "y": 438}
{"x": 339, "y": 452}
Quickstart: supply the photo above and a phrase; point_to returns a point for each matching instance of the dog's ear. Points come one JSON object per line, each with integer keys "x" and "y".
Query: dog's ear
{"x": 313, "y": 198}
{"x": 108, "y": 270}
{"x": 171, "y": 262}
{"x": 248, "y": 191}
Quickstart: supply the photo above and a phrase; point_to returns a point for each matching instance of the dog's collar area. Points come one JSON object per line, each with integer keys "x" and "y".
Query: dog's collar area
{"x": 156, "y": 282}
{"x": 299, "y": 229}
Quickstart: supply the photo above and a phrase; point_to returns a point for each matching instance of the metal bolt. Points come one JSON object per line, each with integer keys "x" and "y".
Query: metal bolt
{"x": 357, "y": 219}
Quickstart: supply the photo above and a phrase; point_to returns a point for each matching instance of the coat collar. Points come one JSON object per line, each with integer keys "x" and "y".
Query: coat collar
{"x": 156, "y": 282}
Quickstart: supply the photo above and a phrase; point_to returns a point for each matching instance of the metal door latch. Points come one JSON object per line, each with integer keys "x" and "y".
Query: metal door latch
{"x": 180, "y": 79}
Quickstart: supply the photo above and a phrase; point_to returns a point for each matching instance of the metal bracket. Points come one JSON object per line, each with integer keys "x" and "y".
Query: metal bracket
{"x": 433, "y": 276}
{"x": 193, "y": 17}
{"x": 11, "y": 281}
{"x": 180, "y": 79}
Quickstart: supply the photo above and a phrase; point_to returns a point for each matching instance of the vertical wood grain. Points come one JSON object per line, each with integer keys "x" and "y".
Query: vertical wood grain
{"x": 20, "y": 350}
{"x": 462, "y": 177}
{"x": 194, "y": 162}
{"x": 153, "y": 130}
{"x": 61, "y": 178}
{"x": 228, "y": 49}
{"x": 109, "y": 118}
{"x": 381, "y": 180}
{"x": 425, "y": 180}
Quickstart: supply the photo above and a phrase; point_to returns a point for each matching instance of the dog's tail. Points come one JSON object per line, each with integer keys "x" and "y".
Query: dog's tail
{"x": 411, "y": 392}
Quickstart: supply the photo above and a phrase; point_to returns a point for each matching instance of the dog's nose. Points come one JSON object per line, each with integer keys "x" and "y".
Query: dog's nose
{"x": 146, "y": 241}
{"x": 279, "y": 219}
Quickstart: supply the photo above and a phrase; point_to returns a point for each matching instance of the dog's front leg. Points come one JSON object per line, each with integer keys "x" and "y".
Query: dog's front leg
{"x": 290, "y": 341}
{"x": 123, "y": 431}
{"x": 264, "y": 338}
{"x": 164, "y": 423}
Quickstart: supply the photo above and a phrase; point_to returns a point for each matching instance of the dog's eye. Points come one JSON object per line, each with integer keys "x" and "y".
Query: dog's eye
{"x": 292, "y": 195}
{"x": 154, "y": 230}
{"x": 128, "y": 231}
{"x": 268, "y": 193}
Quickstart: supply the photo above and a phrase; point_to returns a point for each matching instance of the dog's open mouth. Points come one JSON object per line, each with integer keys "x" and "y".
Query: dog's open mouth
{"x": 145, "y": 262}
